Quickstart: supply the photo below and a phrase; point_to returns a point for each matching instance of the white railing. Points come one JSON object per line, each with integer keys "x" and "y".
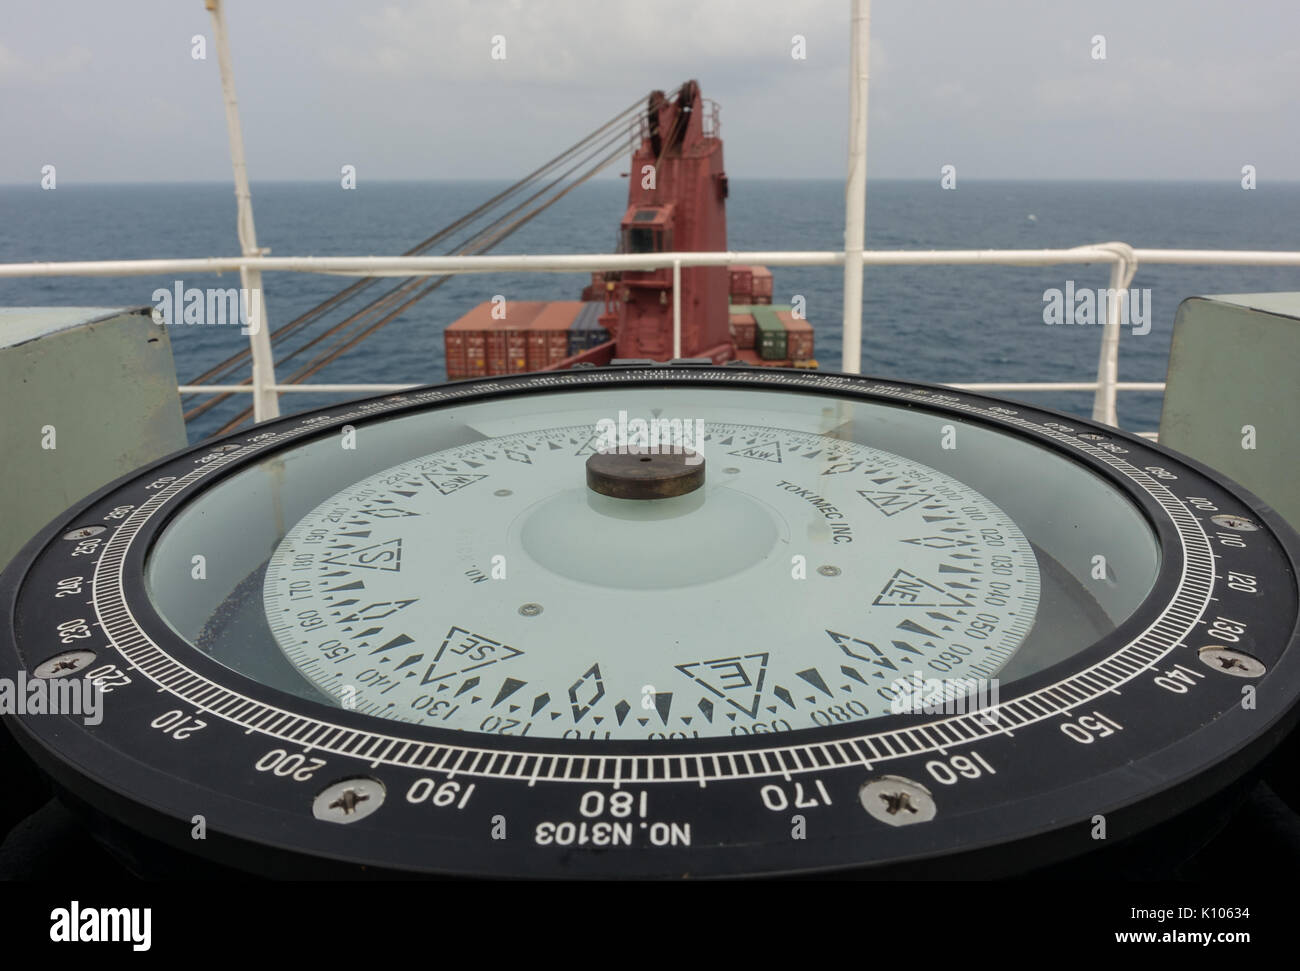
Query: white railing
{"x": 1122, "y": 258}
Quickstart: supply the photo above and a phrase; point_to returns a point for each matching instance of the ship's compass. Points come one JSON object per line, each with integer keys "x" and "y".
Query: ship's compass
{"x": 659, "y": 621}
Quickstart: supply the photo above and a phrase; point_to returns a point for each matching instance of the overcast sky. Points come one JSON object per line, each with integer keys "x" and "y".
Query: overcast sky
{"x": 1188, "y": 89}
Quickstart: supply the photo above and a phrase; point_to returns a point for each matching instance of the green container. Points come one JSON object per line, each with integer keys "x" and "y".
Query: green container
{"x": 769, "y": 333}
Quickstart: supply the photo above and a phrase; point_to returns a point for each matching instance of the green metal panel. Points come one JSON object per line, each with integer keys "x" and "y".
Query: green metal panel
{"x": 96, "y": 384}
{"x": 1232, "y": 398}
{"x": 769, "y": 333}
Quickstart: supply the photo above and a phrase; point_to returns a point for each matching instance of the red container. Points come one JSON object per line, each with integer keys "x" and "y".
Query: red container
{"x": 742, "y": 283}
{"x": 496, "y": 347}
{"x": 761, "y": 284}
{"x": 477, "y": 344}
{"x": 798, "y": 336}
{"x": 742, "y": 330}
{"x": 454, "y": 348}
{"x": 508, "y": 337}
{"x": 548, "y": 337}
{"x": 465, "y": 344}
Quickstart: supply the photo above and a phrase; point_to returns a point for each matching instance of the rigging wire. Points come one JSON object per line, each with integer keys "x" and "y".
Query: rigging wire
{"x": 223, "y": 368}
{"x": 349, "y": 341}
{"x": 477, "y": 243}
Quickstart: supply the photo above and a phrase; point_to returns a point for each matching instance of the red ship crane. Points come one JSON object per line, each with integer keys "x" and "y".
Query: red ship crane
{"x": 677, "y": 192}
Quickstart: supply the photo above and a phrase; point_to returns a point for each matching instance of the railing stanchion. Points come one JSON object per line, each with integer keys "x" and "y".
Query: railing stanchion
{"x": 266, "y": 403}
{"x": 855, "y": 188}
{"x": 1122, "y": 269}
{"x": 677, "y": 308}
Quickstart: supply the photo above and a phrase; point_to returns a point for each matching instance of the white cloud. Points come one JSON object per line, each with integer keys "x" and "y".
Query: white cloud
{"x": 579, "y": 40}
{"x": 16, "y": 69}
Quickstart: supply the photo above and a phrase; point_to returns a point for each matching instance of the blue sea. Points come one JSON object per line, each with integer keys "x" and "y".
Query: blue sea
{"x": 925, "y": 323}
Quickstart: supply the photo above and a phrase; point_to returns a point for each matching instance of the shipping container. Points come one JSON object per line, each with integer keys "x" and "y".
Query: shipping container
{"x": 769, "y": 334}
{"x": 761, "y": 285}
{"x": 547, "y": 337}
{"x": 478, "y": 344}
{"x": 742, "y": 283}
{"x": 742, "y": 329}
{"x": 519, "y": 322}
{"x": 506, "y": 340}
{"x": 799, "y": 335}
{"x": 465, "y": 343}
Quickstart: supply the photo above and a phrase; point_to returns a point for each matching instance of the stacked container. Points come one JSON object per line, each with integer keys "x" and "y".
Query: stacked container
{"x": 548, "y": 339}
{"x": 479, "y": 344}
{"x": 769, "y": 334}
{"x": 798, "y": 336}
{"x": 742, "y": 328}
{"x": 742, "y": 284}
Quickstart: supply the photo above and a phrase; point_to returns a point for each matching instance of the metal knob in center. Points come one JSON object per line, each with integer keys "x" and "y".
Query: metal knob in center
{"x": 636, "y": 475}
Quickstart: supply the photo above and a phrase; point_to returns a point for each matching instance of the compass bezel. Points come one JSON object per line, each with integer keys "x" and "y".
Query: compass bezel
{"x": 152, "y": 784}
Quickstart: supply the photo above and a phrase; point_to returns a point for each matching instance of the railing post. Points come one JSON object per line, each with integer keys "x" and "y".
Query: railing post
{"x": 677, "y": 308}
{"x": 855, "y": 187}
{"x": 1122, "y": 270}
{"x": 266, "y": 403}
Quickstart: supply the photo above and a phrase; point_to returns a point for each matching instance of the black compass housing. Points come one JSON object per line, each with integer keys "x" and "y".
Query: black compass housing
{"x": 1168, "y": 711}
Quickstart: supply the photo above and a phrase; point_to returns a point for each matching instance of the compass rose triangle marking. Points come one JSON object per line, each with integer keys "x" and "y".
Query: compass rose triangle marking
{"x": 589, "y": 446}
{"x": 354, "y": 585}
{"x": 769, "y": 451}
{"x": 452, "y": 482}
{"x": 377, "y": 610}
{"x": 401, "y": 640}
{"x": 736, "y": 680}
{"x": 814, "y": 678}
{"x": 663, "y": 704}
{"x": 378, "y": 556}
{"x": 905, "y": 589}
{"x": 938, "y": 542}
{"x": 460, "y": 653}
{"x": 915, "y": 628}
{"x": 841, "y": 466}
{"x": 871, "y": 653}
{"x": 388, "y": 511}
{"x": 892, "y": 503}
{"x": 508, "y": 687}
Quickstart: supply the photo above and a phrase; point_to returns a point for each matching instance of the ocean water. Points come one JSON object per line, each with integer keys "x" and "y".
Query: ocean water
{"x": 924, "y": 323}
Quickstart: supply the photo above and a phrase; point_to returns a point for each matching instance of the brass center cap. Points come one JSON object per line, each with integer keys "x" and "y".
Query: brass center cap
{"x": 639, "y": 475}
